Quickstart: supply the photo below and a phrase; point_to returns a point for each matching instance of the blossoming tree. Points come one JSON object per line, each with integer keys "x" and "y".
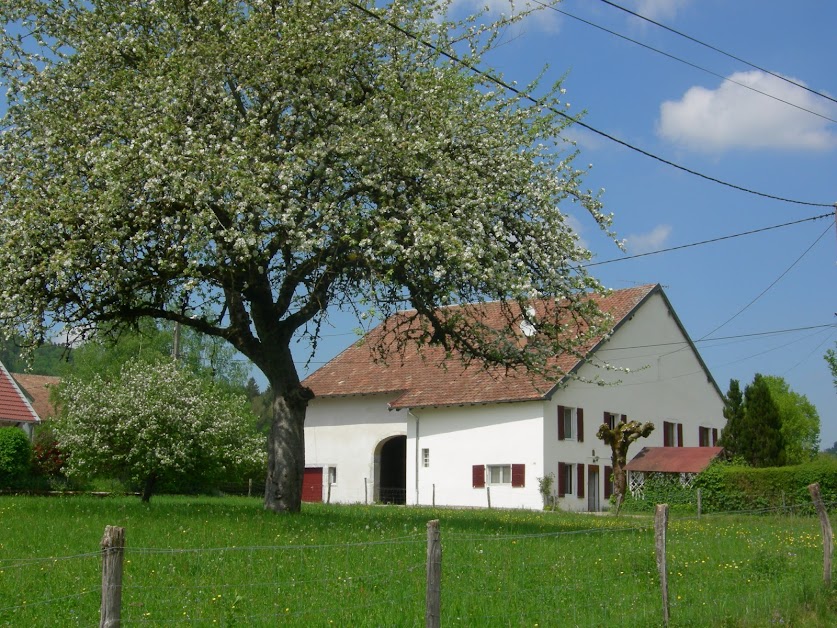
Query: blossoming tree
{"x": 155, "y": 423}
{"x": 243, "y": 167}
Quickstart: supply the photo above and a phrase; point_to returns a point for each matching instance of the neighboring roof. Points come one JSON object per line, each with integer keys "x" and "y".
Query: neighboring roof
{"x": 417, "y": 379}
{"x": 673, "y": 459}
{"x": 37, "y": 390}
{"x": 14, "y": 406}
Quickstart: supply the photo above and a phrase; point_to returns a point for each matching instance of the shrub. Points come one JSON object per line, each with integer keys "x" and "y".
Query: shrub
{"x": 15, "y": 454}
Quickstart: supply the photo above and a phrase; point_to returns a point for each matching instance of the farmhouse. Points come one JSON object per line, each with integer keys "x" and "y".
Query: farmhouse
{"x": 423, "y": 429}
{"x": 15, "y": 408}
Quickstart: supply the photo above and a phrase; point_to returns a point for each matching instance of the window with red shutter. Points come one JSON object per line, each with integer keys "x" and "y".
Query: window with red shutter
{"x": 579, "y": 419}
{"x": 478, "y": 476}
{"x": 560, "y": 422}
{"x": 608, "y": 482}
{"x": 562, "y": 479}
{"x": 679, "y": 434}
{"x": 714, "y": 436}
{"x": 668, "y": 434}
{"x": 624, "y": 418}
{"x": 579, "y": 476}
{"x": 518, "y": 475}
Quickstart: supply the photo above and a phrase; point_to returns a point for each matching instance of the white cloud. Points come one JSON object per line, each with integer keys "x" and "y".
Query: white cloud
{"x": 732, "y": 116}
{"x": 648, "y": 242}
{"x": 660, "y": 10}
{"x": 575, "y": 224}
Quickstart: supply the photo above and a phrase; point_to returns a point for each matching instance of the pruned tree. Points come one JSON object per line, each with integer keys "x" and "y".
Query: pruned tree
{"x": 831, "y": 360}
{"x": 242, "y": 167}
{"x": 619, "y": 438}
{"x": 155, "y": 423}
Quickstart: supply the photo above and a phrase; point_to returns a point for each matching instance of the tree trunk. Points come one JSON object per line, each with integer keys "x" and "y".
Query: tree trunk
{"x": 148, "y": 487}
{"x": 286, "y": 451}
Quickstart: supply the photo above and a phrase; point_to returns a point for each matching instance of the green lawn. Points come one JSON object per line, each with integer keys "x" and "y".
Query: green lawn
{"x": 226, "y": 562}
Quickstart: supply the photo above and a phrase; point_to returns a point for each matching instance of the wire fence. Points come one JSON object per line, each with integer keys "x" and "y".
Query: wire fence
{"x": 720, "y": 566}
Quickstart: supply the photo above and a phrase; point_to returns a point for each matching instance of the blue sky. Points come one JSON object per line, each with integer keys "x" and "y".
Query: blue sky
{"x": 737, "y": 291}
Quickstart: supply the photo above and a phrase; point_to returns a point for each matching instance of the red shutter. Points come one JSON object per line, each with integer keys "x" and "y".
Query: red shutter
{"x": 679, "y": 434}
{"x": 478, "y": 476}
{"x": 562, "y": 485}
{"x": 580, "y": 478}
{"x": 579, "y": 418}
{"x": 624, "y": 418}
{"x": 606, "y": 418}
{"x": 666, "y": 440}
{"x": 560, "y": 422}
{"x": 608, "y": 482}
{"x": 714, "y": 436}
{"x": 518, "y": 475}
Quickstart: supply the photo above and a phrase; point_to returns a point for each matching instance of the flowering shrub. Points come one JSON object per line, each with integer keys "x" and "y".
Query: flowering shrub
{"x": 156, "y": 425}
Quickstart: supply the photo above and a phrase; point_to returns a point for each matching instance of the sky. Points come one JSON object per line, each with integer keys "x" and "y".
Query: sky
{"x": 761, "y": 303}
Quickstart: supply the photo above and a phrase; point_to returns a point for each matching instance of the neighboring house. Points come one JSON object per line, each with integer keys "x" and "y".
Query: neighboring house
{"x": 15, "y": 409}
{"x": 424, "y": 430}
{"x": 676, "y": 465}
{"x": 38, "y": 389}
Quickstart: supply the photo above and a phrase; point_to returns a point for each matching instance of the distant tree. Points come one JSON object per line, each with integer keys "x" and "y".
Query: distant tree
{"x": 831, "y": 359}
{"x": 619, "y": 439}
{"x": 760, "y": 442}
{"x": 832, "y": 449}
{"x": 155, "y": 423}
{"x": 799, "y": 419}
{"x": 17, "y": 356}
{"x": 731, "y": 435}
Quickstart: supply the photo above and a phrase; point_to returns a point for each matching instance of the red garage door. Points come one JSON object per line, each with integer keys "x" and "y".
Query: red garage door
{"x": 312, "y": 484}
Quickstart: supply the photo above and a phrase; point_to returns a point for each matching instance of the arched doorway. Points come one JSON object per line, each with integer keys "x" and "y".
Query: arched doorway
{"x": 391, "y": 471}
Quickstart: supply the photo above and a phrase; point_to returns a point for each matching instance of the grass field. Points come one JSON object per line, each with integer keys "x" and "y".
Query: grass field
{"x": 226, "y": 562}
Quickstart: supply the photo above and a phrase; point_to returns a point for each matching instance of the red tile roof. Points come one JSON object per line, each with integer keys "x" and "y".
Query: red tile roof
{"x": 37, "y": 389}
{"x": 14, "y": 406}
{"x": 422, "y": 378}
{"x": 673, "y": 459}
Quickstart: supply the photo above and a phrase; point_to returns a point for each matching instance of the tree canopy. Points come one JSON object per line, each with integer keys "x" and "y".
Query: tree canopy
{"x": 242, "y": 167}
{"x": 771, "y": 425}
{"x": 831, "y": 359}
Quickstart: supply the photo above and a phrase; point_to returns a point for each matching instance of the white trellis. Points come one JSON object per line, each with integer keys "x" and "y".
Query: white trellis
{"x": 638, "y": 479}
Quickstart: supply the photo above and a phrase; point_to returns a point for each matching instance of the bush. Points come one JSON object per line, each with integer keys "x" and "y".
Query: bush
{"x": 15, "y": 455}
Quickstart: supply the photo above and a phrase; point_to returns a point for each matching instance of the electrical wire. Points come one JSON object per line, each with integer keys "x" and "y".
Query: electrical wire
{"x": 763, "y": 292}
{"x": 501, "y": 83}
{"x": 711, "y": 47}
{"x": 683, "y": 61}
{"x": 702, "y": 242}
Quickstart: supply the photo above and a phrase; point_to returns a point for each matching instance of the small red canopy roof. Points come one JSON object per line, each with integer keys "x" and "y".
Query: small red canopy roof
{"x": 673, "y": 459}
{"x": 14, "y": 407}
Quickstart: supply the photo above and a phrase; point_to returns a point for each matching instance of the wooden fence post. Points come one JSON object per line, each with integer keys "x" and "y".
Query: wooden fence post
{"x": 698, "y": 503}
{"x": 365, "y": 492}
{"x": 660, "y": 525}
{"x": 250, "y": 487}
{"x": 488, "y": 495}
{"x": 432, "y": 614}
{"x": 328, "y": 496}
{"x": 113, "y": 550}
{"x": 434, "y": 495}
{"x": 827, "y": 535}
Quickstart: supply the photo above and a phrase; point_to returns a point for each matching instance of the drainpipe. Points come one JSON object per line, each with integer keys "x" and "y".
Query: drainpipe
{"x": 417, "y": 456}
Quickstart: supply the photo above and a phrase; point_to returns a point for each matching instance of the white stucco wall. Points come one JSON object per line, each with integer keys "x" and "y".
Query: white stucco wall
{"x": 458, "y": 438}
{"x": 344, "y": 433}
{"x": 666, "y": 382}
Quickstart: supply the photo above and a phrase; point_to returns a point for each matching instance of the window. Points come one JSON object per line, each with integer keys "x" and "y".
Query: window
{"x": 425, "y": 457}
{"x": 570, "y": 423}
{"x": 707, "y": 436}
{"x": 499, "y": 474}
{"x": 672, "y": 434}
{"x": 612, "y": 418}
{"x": 565, "y": 479}
{"x": 332, "y": 475}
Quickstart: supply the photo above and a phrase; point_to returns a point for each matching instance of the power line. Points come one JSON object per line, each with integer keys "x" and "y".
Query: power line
{"x": 683, "y": 61}
{"x": 711, "y": 47}
{"x": 775, "y": 281}
{"x": 501, "y": 83}
{"x": 702, "y": 242}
